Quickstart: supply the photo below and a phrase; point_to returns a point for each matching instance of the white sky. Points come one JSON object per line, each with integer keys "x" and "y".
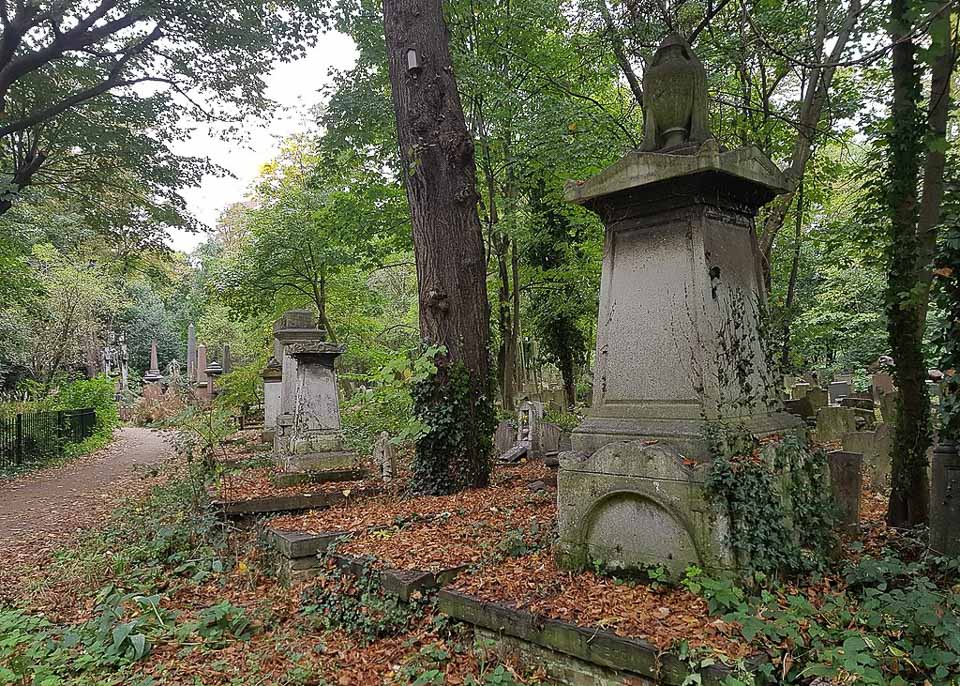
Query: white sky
{"x": 295, "y": 87}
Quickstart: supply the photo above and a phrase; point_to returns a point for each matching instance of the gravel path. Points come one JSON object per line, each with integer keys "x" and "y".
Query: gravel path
{"x": 58, "y": 501}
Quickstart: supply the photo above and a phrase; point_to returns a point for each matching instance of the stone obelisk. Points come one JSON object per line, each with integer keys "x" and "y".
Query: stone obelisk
{"x": 191, "y": 353}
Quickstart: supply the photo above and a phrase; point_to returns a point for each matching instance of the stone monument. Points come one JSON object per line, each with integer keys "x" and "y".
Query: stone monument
{"x": 945, "y": 499}
{"x": 212, "y": 373}
{"x": 308, "y": 437}
{"x": 152, "y": 389}
{"x": 191, "y": 353}
{"x": 678, "y": 342}
{"x": 202, "y": 387}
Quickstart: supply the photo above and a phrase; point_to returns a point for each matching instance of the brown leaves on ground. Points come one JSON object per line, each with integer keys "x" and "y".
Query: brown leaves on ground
{"x": 662, "y": 616}
{"x": 257, "y": 482}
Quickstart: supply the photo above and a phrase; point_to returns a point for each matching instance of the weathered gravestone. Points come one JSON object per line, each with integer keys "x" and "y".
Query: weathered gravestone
{"x": 308, "y": 428}
{"x": 550, "y": 439}
{"x": 800, "y": 390}
{"x": 888, "y": 408}
{"x": 212, "y": 372}
{"x": 152, "y": 390}
{"x": 202, "y": 387}
{"x": 882, "y": 383}
{"x": 945, "y": 500}
{"x": 818, "y": 398}
{"x": 504, "y": 438}
{"x": 875, "y": 447}
{"x": 385, "y": 457}
{"x": 845, "y": 484}
{"x": 837, "y": 390}
{"x": 531, "y": 417}
{"x": 678, "y": 341}
{"x": 833, "y": 422}
{"x": 272, "y": 378}
{"x": 802, "y": 408}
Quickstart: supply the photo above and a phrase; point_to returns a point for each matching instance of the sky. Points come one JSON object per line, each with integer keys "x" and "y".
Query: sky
{"x": 295, "y": 87}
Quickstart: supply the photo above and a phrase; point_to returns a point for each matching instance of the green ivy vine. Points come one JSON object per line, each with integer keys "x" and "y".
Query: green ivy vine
{"x": 947, "y": 334}
{"x": 457, "y": 418}
{"x": 777, "y": 498}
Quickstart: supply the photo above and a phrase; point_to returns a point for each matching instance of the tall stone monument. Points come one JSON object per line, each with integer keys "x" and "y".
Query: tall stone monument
{"x": 272, "y": 377}
{"x": 202, "y": 387}
{"x": 191, "y": 353}
{"x": 308, "y": 436}
{"x": 151, "y": 380}
{"x": 678, "y": 334}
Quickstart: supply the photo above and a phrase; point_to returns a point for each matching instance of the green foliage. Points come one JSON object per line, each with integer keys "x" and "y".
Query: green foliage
{"x": 947, "y": 331}
{"x": 357, "y": 604}
{"x": 777, "y": 499}
{"x": 98, "y": 393}
{"x": 458, "y": 420}
{"x": 894, "y": 622}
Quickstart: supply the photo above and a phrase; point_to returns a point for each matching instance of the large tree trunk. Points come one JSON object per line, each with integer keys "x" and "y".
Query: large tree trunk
{"x": 909, "y": 499}
{"x": 436, "y": 150}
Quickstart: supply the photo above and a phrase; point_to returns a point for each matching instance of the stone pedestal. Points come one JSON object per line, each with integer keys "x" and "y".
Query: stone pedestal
{"x": 945, "y": 500}
{"x": 202, "y": 389}
{"x": 677, "y": 333}
{"x": 271, "y": 399}
{"x": 308, "y": 434}
{"x": 846, "y": 482}
{"x": 191, "y": 354}
{"x": 678, "y": 345}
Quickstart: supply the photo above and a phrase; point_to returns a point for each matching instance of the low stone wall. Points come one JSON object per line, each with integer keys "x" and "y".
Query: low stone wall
{"x": 571, "y": 654}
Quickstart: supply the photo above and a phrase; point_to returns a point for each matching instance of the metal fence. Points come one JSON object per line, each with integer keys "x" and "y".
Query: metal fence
{"x": 30, "y": 438}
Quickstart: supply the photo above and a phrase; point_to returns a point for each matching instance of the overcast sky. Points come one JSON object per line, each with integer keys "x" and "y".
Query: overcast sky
{"x": 295, "y": 86}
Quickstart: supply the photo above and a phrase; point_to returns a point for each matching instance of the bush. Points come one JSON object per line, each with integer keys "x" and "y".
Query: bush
{"x": 98, "y": 393}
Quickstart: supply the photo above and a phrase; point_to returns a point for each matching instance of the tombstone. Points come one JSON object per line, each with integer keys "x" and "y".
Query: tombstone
{"x": 271, "y": 399}
{"x": 528, "y": 430}
{"x": 859, "y": 403}
{"x": 385, "y": 457}
{"x": 818, "y": 398}
{"x": 875, "y": 447}
{"x": 888, "y": 407}
{"x": 308, "y": 436}
{"x": 882, "y": 384}
{"x": 799, "y": 390}
{"x": 789, "y": 381}
{"x": 845, "y": 485}
{"x": 504, "y": 438}
{"x": 550, "y": 439}
{"x": 837, "y": 390}
{"x": 843, "y": 377}
{"x": 153, "y": 374}
{"x": 212, "y": 372}
{"x": 191, "y": 353}
{"x": 203, "y": 387}
{"x": 679, "y": 269}
{"x": 945, "y": 500}
{"x": 801, "y": 408}
{"x": 833, "y": 422}
{"x": 514, "y": 454}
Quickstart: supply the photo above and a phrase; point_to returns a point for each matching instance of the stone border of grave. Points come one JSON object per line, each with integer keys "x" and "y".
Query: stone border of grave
{"x": 560, "y": 646}
{"x": 300, "y": 559}
{"x": 285, "y": 479}
{"x": 272, "y": 504}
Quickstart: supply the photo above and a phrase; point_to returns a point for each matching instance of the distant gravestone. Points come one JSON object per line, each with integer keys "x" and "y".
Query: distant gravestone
{"x": 860, "y": 403}
{"x": 514, "y": 454}
{"x": 504, "y": 438}
{"x": 875, "y": 447}
{"x": 834, "y": 422}
{"x": 818, "y": 398}
{"x": 385, "y": 457}
{"x": 799, "y": 390}
{"x": 837, "y": 390}
{"x": 888, "y": 407}
{"x": 801, "y": 408}
{"x": 550, "y": 435}
{"x": 882, "y": 384}
{"x": 845, "y": 485}
{"x": 945, "y": 500}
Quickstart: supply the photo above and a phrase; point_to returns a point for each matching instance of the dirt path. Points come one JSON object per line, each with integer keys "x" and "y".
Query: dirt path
{"x": 56, "y": 502}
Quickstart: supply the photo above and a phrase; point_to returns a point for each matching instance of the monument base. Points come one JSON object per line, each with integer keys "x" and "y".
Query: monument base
{"x": 636, "y": 505}
{"x": 322, "y": 461}
{"x": 686, "y": 435}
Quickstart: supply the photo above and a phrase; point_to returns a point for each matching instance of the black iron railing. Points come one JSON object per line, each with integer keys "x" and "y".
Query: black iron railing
{"x": 31, "y": 438}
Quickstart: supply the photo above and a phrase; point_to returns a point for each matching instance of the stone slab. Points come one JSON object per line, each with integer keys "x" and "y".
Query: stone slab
{"x": 287, "y": 503}
{"x": 334, "y": 460}
{"x": 595, "y": 646}
{"x": 846, "y": 482}
{"x": 298, "y": 544}
{"x": 403, "y": 583}
{"x": 294, "y": 478}
{"x": 834, "y": 422}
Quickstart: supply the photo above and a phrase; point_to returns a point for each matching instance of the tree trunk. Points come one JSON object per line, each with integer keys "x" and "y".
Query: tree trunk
{"x": 437, "y": 157}
{"x": 792, "y": 284}
{"x": 909, "y": 498}
{"x": 24, "y": 175}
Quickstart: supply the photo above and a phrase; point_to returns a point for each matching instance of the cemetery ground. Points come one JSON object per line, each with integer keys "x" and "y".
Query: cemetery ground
{"x": 169, "y": 590}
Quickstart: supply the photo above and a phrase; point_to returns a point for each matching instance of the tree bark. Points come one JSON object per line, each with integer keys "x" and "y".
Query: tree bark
{"x": 909, "y": 497}
{"x": 24, "y": 175}
{"x": 440, "y": 174}
{"x": 792, "y": 284}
